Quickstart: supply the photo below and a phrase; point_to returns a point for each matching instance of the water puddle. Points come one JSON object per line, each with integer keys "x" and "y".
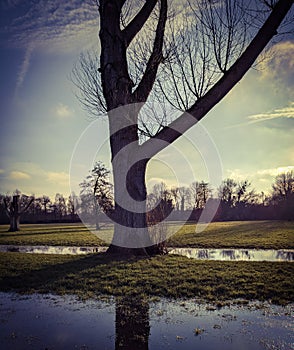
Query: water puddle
{"x": 52, "y": 249}
{"x": 53, "y": 322}
{"x": 195, "y": 253}
{"x": 236, "y": 254}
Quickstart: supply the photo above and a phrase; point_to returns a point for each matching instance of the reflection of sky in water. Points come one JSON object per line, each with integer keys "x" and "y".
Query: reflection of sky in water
{"x": 236, "y": 254}
{"x": 195, "y": 253}
{"x": 52, "y": 249}
{"x": 39, "y": 322}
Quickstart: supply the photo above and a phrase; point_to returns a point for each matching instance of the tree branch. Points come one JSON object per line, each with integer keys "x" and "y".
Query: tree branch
{"x": 138, "y": 21}
{"x": 27, "y": 206}
{"x": 145, "y": 86}
{"x": 7, "y": 211}
{"x": 202, "y": 106}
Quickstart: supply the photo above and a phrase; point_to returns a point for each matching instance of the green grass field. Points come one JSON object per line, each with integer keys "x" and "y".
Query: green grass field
{"x": 235, "y": 234}
{"x": 161, "y": 276}
{"x": 50, "y": 234}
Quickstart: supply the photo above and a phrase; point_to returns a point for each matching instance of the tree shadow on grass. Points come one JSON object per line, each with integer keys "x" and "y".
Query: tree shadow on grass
{"x": 85, "y": 276}
{"x": 20, "y": 233}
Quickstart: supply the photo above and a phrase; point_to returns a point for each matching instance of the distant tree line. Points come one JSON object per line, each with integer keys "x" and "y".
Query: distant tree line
{"x": 238, "y": 201}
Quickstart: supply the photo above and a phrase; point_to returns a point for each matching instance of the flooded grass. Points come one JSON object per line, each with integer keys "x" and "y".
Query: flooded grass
{"x": 163, "y": 276}
{"x": 167, "y": 276}
{"x": 235, "y": 234}
{"x": 176, "y": 288}
{"x": 41, "y": 321}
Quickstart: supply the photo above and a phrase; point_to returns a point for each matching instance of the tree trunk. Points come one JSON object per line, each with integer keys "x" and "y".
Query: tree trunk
{"x": 14, "y": 223}
{"x": 130, "y": 229}
{"x": 96, "y": 208}
{"x": 14, "y": 215}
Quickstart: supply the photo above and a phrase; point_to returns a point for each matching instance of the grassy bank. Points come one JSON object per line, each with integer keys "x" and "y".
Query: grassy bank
{"x": 235, "y": 234}
{"x": 96, "y": 275}
{"x": 50, "y": 234}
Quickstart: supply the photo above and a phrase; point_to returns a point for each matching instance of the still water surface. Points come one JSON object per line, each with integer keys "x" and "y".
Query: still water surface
{"x": 195, "y": 253}
{"x": 236, "y": 254}
{"x": 53, "y": 322}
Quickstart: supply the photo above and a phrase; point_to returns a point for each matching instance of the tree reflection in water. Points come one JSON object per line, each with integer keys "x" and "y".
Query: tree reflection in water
{"x": 132, "y": 326}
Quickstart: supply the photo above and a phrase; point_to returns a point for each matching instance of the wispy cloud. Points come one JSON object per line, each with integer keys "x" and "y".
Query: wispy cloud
{"x": 286, "y": 112}
{"x": 52, "y": 25}
{"x": 24, "y": 68}
{"x": 63, "y": 111}
{"x": 19, "y": 175}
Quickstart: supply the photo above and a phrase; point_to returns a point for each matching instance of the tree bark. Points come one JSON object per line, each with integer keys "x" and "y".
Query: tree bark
{"x": 14, "y": 223}
{"x": 14, "y": 214}
{"x": 130, "y": 228}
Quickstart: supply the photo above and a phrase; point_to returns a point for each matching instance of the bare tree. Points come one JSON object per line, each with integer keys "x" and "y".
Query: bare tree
{"x": 227, "y": 192}
{"x": 175, "y": 196}
{"x": 97, "y": 189}
{"x": 199, "y": 194}
{"x": 46, "y": 202}
{"x": 60, "y": 205}
{"x": 208, "y": 56}
{"x": 15, "y": 208}
{"x": 72, "y": 205}
{"x": 159, "y": 206}
{"x": 283, "y": 187}
{"x": 180, "y": 197}
{"x": 283, "y": 195}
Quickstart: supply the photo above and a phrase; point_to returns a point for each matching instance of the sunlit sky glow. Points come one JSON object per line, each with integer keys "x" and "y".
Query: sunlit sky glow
{"x": 41, "y": 119}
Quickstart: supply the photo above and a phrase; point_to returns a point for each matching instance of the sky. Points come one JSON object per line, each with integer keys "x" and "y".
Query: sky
{"x": 43, "y": 127}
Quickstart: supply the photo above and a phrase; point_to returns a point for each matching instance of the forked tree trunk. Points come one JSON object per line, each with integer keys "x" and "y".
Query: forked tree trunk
{"x": 13, "y": 212}
{"x": 130, "y": 231}
{"x": 118, "y": 91}
{"x": 131, "y": 236}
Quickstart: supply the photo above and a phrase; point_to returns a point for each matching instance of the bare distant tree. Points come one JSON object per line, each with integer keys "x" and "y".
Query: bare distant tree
{"x": 283, "y": 187}
{"x": 46, "y": 202}
{"x": 199, "y": 194}
{"x": 98, "y": 189}
{"x": 72, "y": 204}
{"x": 175, "y": 196}
{"x": 191, "y": 62}
{"x": 227, "y": 192}
{"x": 15, "y": 207}
{"x": 60, "y": 205}
{"x": 283, "y": 195}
